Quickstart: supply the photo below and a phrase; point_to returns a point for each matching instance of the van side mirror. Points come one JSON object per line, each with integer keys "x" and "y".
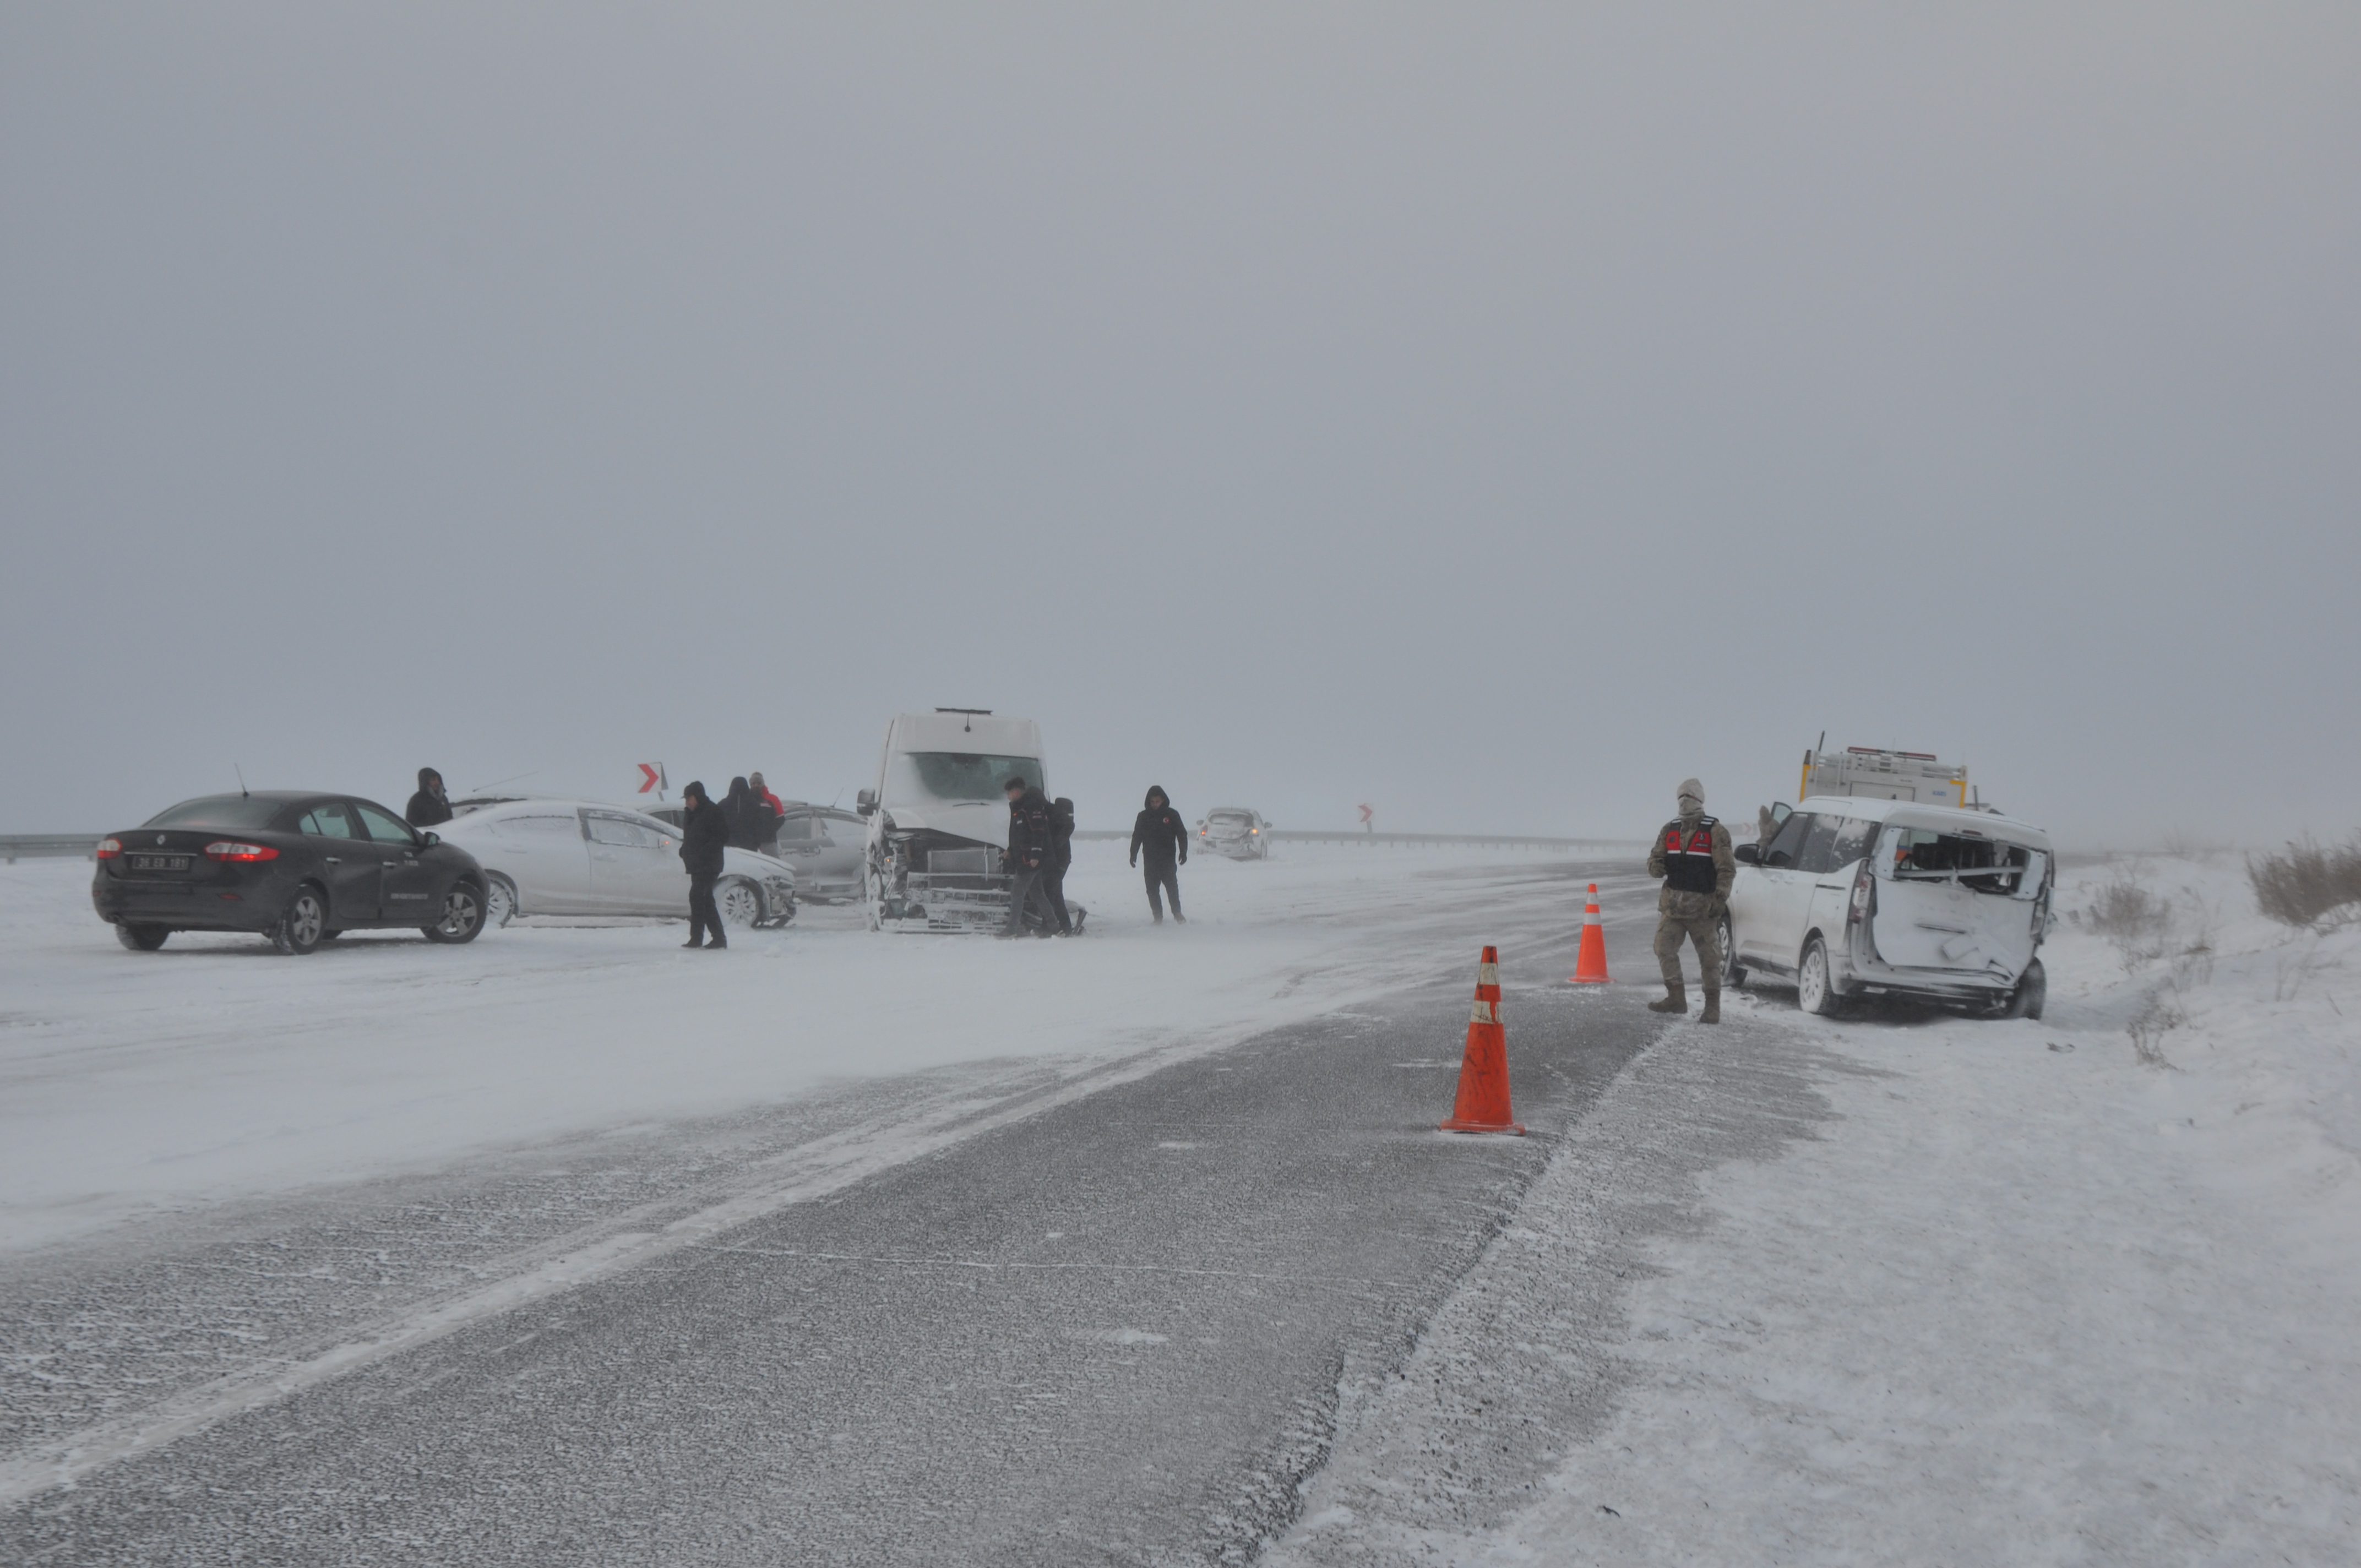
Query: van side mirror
{"x": 865, "y": 803}
{"x": 1749, "y": 854}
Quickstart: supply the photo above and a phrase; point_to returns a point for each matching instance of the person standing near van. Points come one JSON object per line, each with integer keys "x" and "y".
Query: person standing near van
{"x": 1694, "y": 857}
{"x": 1031, "y": 843}
{"x": 1160, "y": 834}
{"x": 1061, "y": 856}
{"x": 704, "y": 833}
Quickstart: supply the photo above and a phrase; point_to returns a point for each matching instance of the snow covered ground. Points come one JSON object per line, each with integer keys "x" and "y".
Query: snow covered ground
{"x": 151, "y": 1085}
{"x": 1910, "y": 1290}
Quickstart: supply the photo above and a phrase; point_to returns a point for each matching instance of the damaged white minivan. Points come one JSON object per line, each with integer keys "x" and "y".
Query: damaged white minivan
{"x": 1853, "y": 897}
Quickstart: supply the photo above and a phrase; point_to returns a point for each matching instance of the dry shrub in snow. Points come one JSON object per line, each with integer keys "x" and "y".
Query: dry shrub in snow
{"x": 2160, "y": 1015}
{"x": 2309, "y": 885}
{"x": 2136, "y": 920}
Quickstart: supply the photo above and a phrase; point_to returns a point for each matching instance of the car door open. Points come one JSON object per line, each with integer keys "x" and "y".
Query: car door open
{"x": 1958, "y": 901}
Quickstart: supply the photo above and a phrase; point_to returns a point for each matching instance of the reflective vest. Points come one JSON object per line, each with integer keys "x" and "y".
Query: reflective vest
{"x": 1688, "y": 856}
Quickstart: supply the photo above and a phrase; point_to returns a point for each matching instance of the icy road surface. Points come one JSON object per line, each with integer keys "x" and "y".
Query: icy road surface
{"x": 1091, "y": 1303}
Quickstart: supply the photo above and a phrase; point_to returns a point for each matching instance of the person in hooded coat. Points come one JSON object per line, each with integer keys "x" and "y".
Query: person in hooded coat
{"x": 1061, "y": 856}
{"x": 748, "y": 815}
{"x": 704, "y": 833}
{"x": 430, "y": 807}
{"x": 1160, "y": 834}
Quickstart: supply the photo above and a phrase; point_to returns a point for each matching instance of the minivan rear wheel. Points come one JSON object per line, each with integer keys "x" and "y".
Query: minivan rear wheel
{"x": 2031, "y": 993}
{"x": 1815, "y": 991}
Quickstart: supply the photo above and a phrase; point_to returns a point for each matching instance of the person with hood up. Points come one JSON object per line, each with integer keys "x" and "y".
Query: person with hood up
{"x": 1694, "y": 857}
{"x": 430, "y": 807}
{"x": 1062, "y": 857}
{"x": 704, "y": 833}
{"x": 748, "y": 815}
{"x": 1160, "y": 834}
{"x": 1031, "y": 844}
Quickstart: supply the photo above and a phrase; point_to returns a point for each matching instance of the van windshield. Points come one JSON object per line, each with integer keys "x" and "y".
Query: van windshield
{"x": 1979, "y": 864}
{"x": 971, "y": 776}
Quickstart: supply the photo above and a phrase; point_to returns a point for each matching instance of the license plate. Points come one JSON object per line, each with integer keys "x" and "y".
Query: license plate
{"x": 160, "y": 862}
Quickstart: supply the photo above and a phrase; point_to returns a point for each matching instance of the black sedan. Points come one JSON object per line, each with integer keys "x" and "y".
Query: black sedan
{"x": 297, "y": 867}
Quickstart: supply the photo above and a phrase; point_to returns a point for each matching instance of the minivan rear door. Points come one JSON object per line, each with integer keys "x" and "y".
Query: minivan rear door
{"x": 1958, "y": 901}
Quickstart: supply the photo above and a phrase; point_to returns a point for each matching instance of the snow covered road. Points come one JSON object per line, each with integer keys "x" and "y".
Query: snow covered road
{"x": 1105, "y": 1308}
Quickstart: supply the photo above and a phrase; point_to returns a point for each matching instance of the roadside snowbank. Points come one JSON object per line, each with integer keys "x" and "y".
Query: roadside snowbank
{"x": 137, "y": 1084}
{"x": 2014, "y": 1298}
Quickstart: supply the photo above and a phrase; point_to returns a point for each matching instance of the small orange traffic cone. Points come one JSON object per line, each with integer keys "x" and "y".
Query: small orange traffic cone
{"x": 1483, "y": 1103}
{"x": 1590, "y": 964}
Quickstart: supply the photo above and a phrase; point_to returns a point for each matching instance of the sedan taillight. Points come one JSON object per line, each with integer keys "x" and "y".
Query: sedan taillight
{"x": 225, "y": 849}
{"x": 108, "y": 848}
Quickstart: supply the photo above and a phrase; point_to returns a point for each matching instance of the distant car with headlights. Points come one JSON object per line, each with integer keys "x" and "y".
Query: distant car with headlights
{"x": 297, "y": 866}
{"x": 1853, "y": 896}
{"x": 554, "y": 855}
{"x": 1235, "y": 832}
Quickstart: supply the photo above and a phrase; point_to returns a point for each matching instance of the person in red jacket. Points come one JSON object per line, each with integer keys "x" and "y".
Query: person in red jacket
{"x": 770, "y": 844}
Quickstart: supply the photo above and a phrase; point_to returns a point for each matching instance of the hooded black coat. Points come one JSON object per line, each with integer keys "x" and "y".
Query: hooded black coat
{"x": 1062, "y": 836}
{"x": 1160, "y": 834}
{"x": 427, "y": 808}
{"x": 1031, "y": 839}
{"x": 704, "y": 833}
{"x": 748, "y": 815}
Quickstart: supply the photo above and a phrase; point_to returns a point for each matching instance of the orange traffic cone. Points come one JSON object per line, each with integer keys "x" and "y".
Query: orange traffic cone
{"x": 1483, "y": 1103}
{"x": 1590, "y": 964}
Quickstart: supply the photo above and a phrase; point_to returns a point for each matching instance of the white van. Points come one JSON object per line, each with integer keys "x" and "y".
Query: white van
{"x": 1852, "y": 897}
{"x": 938, "y": 819}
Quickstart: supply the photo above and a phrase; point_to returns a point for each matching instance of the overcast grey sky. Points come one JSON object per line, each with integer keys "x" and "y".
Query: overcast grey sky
{"x": 1490, "y": 413}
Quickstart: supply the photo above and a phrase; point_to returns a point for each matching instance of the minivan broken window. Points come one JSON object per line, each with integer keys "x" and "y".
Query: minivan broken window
{"x": 1972, "y": 861}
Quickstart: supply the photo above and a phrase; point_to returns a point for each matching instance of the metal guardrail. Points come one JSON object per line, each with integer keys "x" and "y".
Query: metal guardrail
{"x": 1347, "y": 836}
{"x": 47, "y": 846}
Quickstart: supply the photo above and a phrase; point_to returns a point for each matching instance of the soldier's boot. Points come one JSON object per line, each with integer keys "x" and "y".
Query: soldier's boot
{"x": 1712, "y": 1013}
{"x": 1676, "y": 999}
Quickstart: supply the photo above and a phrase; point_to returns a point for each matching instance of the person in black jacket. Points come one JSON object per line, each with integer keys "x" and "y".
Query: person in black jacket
{"x": 1158, "y": 833}
{"x": 1030, "y": 845}
{"x": 430, "y": 807}
{"x": 704, "y": 833}
{"x": 748, "y": 815}
{"x": 1061, "y": 856}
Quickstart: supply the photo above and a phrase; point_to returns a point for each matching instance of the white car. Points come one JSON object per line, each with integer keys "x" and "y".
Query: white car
{"x": 546, "y": 855}
{"x": 1859, "y": 897}
{"x": 1235, "y": 832}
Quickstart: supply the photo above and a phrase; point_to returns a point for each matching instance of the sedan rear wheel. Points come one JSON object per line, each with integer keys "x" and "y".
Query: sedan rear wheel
{"x": 141, "y": 938}
{"x": 500, "y": 901}
{"x": 740, "y": 902}
{"x": 304, "y": 924}
{"x": 463, "y": 916}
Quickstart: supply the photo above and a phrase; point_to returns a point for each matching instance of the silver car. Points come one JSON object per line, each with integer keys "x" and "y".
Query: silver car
{"x": 1235, "y": 832}
{"x": 545, "y": 855}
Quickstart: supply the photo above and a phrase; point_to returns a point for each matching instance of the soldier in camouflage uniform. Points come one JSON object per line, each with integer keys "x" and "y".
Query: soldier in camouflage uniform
{"x": 1693, "y": 856}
